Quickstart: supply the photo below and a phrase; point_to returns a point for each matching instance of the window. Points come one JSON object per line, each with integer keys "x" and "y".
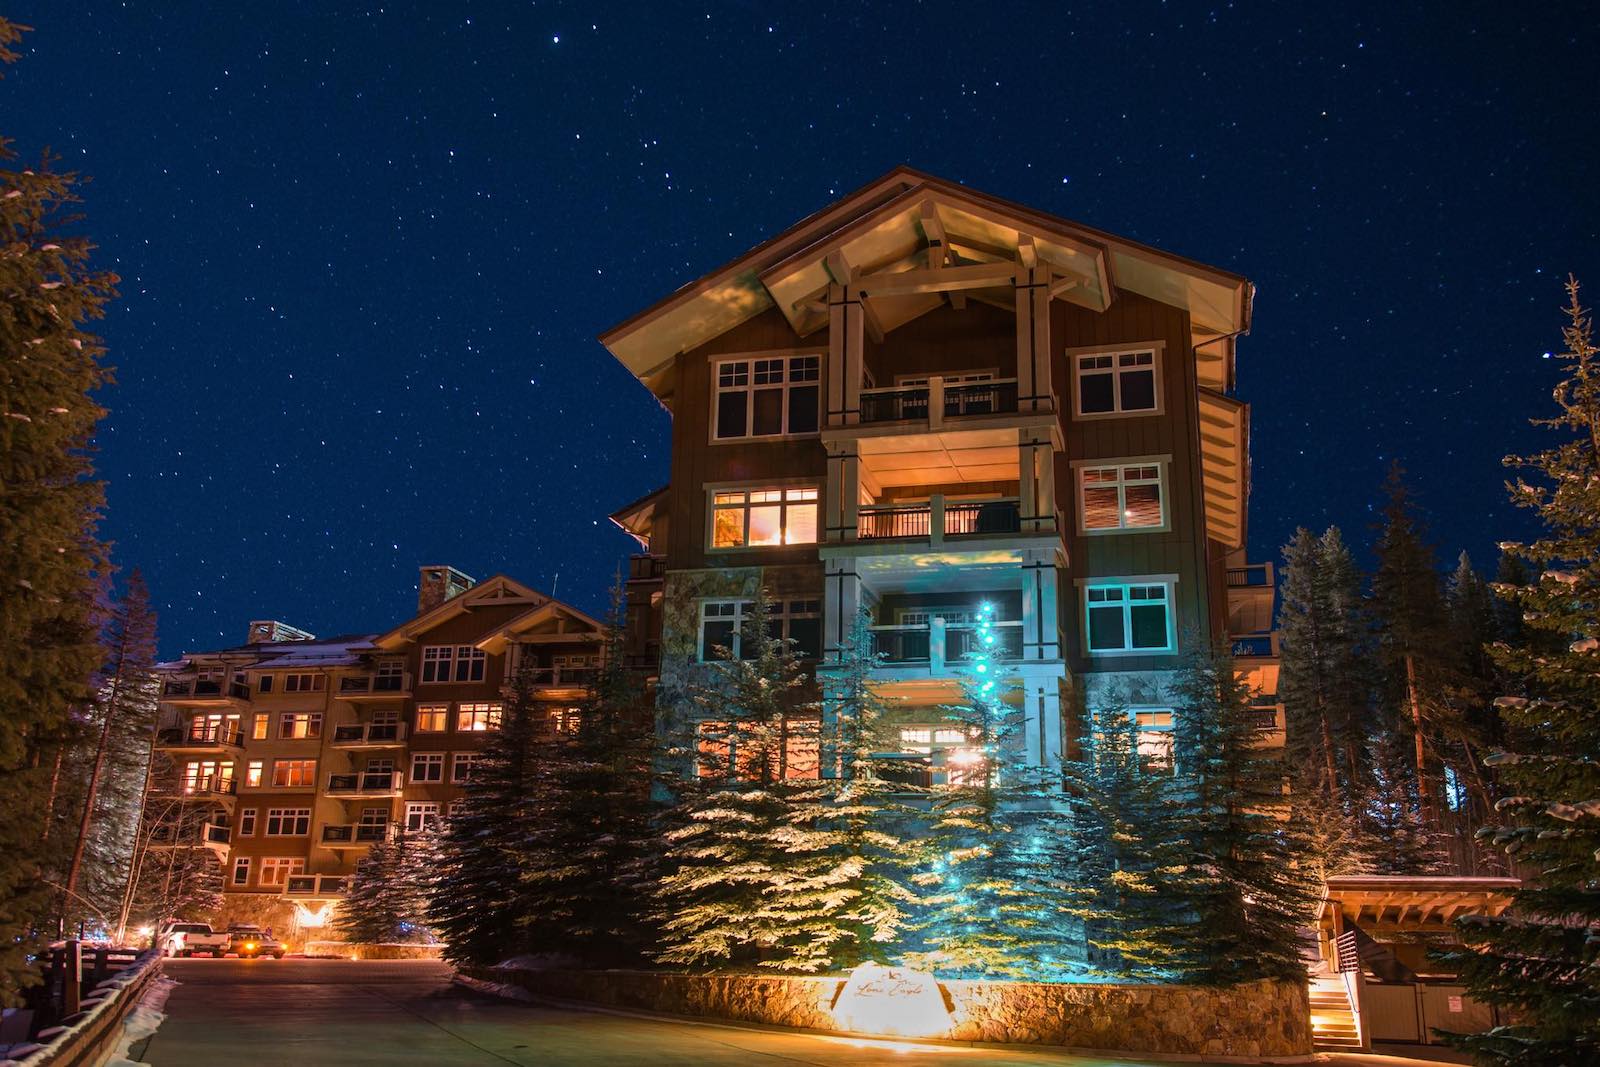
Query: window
{"x": 721, "y": 623}
{"x": 565, "y": 720}
{"x": 390, "y": 676}
{"x": 375, "y": 821}
{"x": 294, "y": 773}
{"x": 452, "y": 663}
{"x": 214, "y": 727}
{"x": 241, "y": 870}
{"x": 427, "y": 766}
{"x": 304, "y": 683}
{"x": 476, "y": 718}
{"x": 264, "y": 683}
{"x": 1154, "y": 738}
{"x": 252, "y": 774}
{"x": 745, "y": 518}
{"x": 259, "y": 724}
{"x": 719, "y": 754}
{"x": 432, "y": 718}
{"x": 300, "y": 725}
{"x": 462, "y": 764}
{"x": 1128, "y": 618}
{"x": 421, "y": 816}
{"x": 275, "y": 870}
{"x": 1113, "y": 383}
{"x": 206, "y": 776}
{"x": 954, "y": 759}
{"x": 247, "y": 822}
{"x": 1121, "y": 497}
{"x": 766, "y": 397}
{"x": 288, "y": 822}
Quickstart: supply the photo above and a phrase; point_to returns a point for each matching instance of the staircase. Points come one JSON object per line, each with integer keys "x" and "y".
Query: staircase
{"x": 1333, "y": 1024}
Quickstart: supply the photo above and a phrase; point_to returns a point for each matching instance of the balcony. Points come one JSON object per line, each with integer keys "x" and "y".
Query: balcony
{"x": 1250, "y": 576}
{"x": 354, "y": 835}
{"x": 646, "y": 568}
{"x": 208, "y": 739}
{"x": 370, "y": 735}
{"x": 563, "y": 677}
{"x": 377, "y": 685}
{"x": 214, "y": 836}
{"x": 937, "y": 401}
{"x": 937, "y": 520}
{"x": 201, "y": 691}
{"x": 941, "y": 646}
{"x": 207, "y": 789}
{"x": 1259, "y": 646}
{"x": 367, "y": 784}
{"x": 315, "y": 885}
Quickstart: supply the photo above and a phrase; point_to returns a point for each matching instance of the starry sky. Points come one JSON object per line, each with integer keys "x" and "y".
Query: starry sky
{"x": 366, "y": 248}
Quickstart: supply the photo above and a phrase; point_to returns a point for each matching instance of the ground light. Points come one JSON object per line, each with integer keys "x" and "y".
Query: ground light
{"x": 892, "y": 1002}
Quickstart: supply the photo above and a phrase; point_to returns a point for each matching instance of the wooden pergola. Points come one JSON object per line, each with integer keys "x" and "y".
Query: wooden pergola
{"x": 1384, "y": 906}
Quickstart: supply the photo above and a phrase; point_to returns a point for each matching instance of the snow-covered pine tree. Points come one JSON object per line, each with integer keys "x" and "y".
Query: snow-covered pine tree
{"x": 1246, "y": 885}
{"x": 992, "y": 905}
{"x": 1541, "y": 959}
{"x": 386, "y": 903}
{"x": 183, "y": 881}
{"x": 49, "y": 554}
{"x": 477, "y": 898}
{"x": 1115, "y": 852}
{"x": 742, "y": 882}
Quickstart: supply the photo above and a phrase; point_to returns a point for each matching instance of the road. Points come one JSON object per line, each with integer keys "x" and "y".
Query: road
{"x": 307, "y": 1013}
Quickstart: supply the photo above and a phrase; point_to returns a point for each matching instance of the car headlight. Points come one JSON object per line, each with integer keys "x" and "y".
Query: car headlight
{"x": 250, "y": 946}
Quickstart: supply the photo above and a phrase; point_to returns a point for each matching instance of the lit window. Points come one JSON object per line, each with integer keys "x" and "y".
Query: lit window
{"x": 461, "y": 765}
{"x": 259, "y": 725}
{"x": 300, "y": 725}
{"x": 452, "y": 663}
{"x": 432, "y": 718}
{"x": 208, "y": 776}
{"x": 1117, "y": 382}
{"x": 766, "y": 397}
{"x": 288, "y": 822}
{"x": 719, "y": 753}
{"x": 275, "y": 870}
{"x": 427, "y": 766}
{"x": 1122, "y": 497}
{"x": 952, "y": 757}
{"x": 746, "y": 518}
{"x": 1128, "y": 618}
{"x": 252, "y": 773}
{"x": 1154, "y": 738}
{"x": 722, "y": 623}
{"x": 294, "y": 773}
{"x": 421, "y": 816}
{"x": 476, "y": 718}
{"x": 304, "y": 683}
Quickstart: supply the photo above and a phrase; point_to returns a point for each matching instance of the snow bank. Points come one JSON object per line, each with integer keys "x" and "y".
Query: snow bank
{"x": 144, "y": 1020}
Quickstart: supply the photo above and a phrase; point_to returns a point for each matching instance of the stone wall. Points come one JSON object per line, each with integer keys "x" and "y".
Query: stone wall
{"x": 349, "y": 950}
{"x": 1256, "y": 1019}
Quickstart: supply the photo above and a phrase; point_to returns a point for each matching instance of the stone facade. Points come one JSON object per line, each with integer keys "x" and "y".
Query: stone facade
{"x": 1266, "y": 1018}
{"x": 359, "y": 951}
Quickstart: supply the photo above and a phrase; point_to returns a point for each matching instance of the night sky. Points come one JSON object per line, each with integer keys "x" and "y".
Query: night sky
{"x": 366, "y": 248}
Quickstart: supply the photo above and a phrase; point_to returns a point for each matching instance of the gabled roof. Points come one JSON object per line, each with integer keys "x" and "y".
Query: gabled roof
{"x": 497, "y": 591}
{"x": 496, "y": 642}
{"x": 889, "y": 227}
{"x": 635, "y": 518}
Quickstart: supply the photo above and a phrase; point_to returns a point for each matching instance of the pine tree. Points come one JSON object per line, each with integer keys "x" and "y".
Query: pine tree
{"x": 183, "y": 879}
{"x": 477, "y": 898}
{"x": 583, "y": 864}
{"x": 49, "y": 555}
{"x": 1542, "y": 958}
{"x": 386, "y": 903}
{"x": 1469, "y": 800}
{"x": 1246, "y": 885}
{"x": 1115, "y": 854}
{"x": 742, "y": 881}
{"x": 989, "y": 893}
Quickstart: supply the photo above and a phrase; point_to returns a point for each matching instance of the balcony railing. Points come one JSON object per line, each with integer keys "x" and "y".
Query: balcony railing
{"x": 940, "y": 644}
{"x": 563, "y": 677}
{"x": 1252, "y": 576}
{"x": 213, "y": 834}
{"x": 372, "y": 733}
{"x": 209, "y": 788}
{"x": 210, "y": 737}
{"x": 376, "y": 682}
{"x": 646, "y": 568}
{"x": 883, "y": 522}
{"x": 358, "y": 833}
{"x": 1254, "y": 646}
{"x": 1264, "y": 718}
{"x": 167, "y": 835}
{"x": 315, "y": 885}
{"x": 909, "y": 403}
{"x": 204, "y": 689}
{"x": 366, "y": 783}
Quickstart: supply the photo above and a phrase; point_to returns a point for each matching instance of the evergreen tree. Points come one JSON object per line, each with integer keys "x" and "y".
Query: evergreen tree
{"x": 583, "y": 863}
{"x": 1542, "y": 958}
{"x": 743, "y": 880}
{"x": 386, "y": 903}
{"x": 478, "y": 899}
{"x": 49, "y": 555}
{"x": 1468, "y": 795}
{"x": 991, "y": 908}
{"x": 180, "y": 879}
{"x": 1246, "y": 885}
{"x": 1116, "y": 857}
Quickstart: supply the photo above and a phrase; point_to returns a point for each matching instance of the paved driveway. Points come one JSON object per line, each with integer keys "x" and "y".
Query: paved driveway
{"x": 307, "y": 1013}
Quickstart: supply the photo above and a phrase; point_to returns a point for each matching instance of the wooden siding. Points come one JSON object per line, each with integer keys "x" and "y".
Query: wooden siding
{"x": 947, "y": 341}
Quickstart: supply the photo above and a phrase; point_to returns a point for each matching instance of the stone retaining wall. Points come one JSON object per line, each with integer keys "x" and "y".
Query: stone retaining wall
{"x": 373, "y": 952}
{"x": 1267, "y": 1018}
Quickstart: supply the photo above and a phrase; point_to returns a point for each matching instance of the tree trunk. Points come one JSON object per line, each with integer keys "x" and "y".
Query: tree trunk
{"x": 50, "y": 801}
{"x": 1334, "y": 792}
{"x": 93, "y": 790}
{"x": 1424, "y": 793}
{"x": 141, "y": 841}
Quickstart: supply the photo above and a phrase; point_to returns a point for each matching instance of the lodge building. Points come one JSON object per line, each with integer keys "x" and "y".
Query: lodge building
{"x": 289, "y": 756}
{"x": 922, "y": 399}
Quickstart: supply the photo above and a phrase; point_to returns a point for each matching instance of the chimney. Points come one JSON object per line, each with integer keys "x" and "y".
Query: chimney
{"x": 439, "y": 583}
{"x": 270, "y": 631}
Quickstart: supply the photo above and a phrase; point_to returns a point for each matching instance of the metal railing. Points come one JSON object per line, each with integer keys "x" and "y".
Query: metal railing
{"x": 902, "y": 644}
{"x": 210, "y": 737}
{"x": 365, "y": 782}
{"x": 881, "y": 522}
{"x": 961, "y": 641}
{"x": 1254, "y": 646}
{"x": 907, "y": 403}
{"x": 374, "y": 733}
{"x": 357, "y": 833}
{"x": 646, "y": 568}
{"x": 876, "y": 522}
{"x": 376, "y": 682}
{"x": 921, "y": 642}
{"x": 315, "y": 885}
{"x": 894, "y": 405}
{"x": 1264, "y": 718}
{"x": 982, "y": 517}
{"x": 563, "y": 677}
{"x": 981, "y": 398}
{"x": 205, "y": 688}
{"x": 209, "y": 787}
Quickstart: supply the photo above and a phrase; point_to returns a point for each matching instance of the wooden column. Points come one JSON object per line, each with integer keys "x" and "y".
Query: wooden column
{"x": 842, "y": 493}
{"x": 846, "y": 355}
{"x": 1033, "y": 340}
{"x": 841, "y": 600}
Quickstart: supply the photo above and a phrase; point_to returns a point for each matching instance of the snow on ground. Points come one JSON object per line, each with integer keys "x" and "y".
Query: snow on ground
{"x": 144, "y": 1020}
{"x": 504, "y": 990}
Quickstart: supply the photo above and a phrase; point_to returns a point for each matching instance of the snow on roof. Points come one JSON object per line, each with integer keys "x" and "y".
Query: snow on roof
{"x": 341, "y": 651}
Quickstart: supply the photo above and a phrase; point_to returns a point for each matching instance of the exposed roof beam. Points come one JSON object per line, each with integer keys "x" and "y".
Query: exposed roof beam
{"x": 933, "y": 230}
{"x": 1061, "y": 285}
{"x": 839, "y": 267}
{"x": 906, "y": 283}
{"x": 873, "y": 322}
{"x": 1027, "y": 255}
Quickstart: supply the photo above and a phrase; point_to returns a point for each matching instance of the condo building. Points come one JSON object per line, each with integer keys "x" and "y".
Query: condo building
{"x": 290, "y": 755}
{"x": 923, "y": 399}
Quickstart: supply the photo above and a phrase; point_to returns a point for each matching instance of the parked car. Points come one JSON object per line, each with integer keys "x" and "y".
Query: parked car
{"x": 251, "y": 942}
{"x": 190, "y": 939}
